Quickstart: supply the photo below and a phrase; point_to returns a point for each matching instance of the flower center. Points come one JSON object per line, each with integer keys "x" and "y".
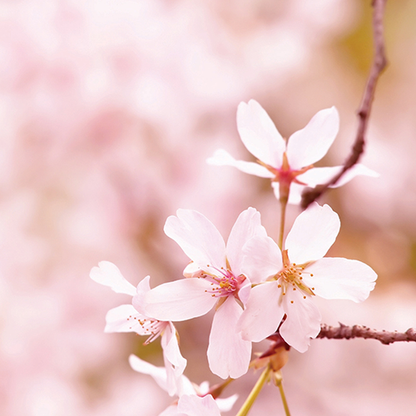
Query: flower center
{"x": 290, "y": 278}
{"x": 224, "y": 283}
{"x": 147, "y": 326}
{"x": 285, "y": 175}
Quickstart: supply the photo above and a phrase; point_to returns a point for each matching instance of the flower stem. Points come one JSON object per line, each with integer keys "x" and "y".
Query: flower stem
{"x": 282, "y": 395}
{"x": 283, "y": 204}
{"x": 255, "y": 392}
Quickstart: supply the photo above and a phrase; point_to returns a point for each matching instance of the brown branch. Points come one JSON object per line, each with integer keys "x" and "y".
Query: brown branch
{"x": 379, "y": 63}
{"x": 358, "y": 331}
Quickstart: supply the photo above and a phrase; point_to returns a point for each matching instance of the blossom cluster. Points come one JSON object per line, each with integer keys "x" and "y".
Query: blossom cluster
{"x": 255, "y": 286}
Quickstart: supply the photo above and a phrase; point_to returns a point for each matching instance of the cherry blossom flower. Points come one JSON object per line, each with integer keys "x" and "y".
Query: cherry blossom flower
{"x": 288, "y": 280}
{"x": 126, "y": 318}
{"x": 289, "y": 164}
{"x": 193, "y": 400}
{"x": 215, "y": 278}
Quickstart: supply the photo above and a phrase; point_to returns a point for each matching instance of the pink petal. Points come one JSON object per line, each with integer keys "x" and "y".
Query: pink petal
{"x": 263, "y": 259}
{"x": 144, "y": 285}
{"x": 174, "y": 362}
{"x": 223, "y": 158}
{"x": 192, "y": 405}
{"x": 302, "y": 322}
{"x": 263, "y": 313}
{"x": 247, "y": 226}
{"x": 228, "y": 354}
{"x": 244, "y": 292}
{"x": 117, "y": 320}
{"x": 311, "y": 144}
{"x": 179, "y": 300}
{"x": 197, "y": 237}
{"x": 259, "y": 134}
{"x": 313, "y": 233}
{"x": 339, "y": 278}
{"x": 108, "y": 274}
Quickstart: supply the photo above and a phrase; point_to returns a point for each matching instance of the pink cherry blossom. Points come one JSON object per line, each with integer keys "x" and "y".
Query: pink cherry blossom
{"x": 292, "y": 277}
{"x": 126, "y": 318}
{"x": 193, "y": 400}
{"x": 289, "y": 164}
{"x": 216, "y": 278}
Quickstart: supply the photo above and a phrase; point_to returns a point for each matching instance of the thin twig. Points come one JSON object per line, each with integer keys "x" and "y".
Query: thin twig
{"x": 379, "y": 63}
{"x": 358, "y": 331}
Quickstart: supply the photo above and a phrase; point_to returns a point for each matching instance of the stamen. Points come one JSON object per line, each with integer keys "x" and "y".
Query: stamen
{"x": 292, "y": 275}
{"x": 223, "y": 284}
{"x": 147, "y": 326}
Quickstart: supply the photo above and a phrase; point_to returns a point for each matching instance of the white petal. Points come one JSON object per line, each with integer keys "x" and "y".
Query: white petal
{"x": 171, "y": 410}
{"x": 223, "y": 158}
{"x": 247, "y": 226}
{"x": 179, "y": 300}
{"x": 191, "y": 269}
{"x": 263, "y": 313}
{"x": 339, "y": 278}
{"x": 193, "y": 405}
{"x": 228, "y": 354}
{"x": 197, "y": 237}
{"x": 159, "y": 374}
{"x": 295, "y": 195}
{"x": 143, "y": 367}
{"x": 108, "y": 274}
{"x": 302, "y": 322}
{"x": 225, "y": 405}
{"x": 313, "y": 233}
{"x": 138, "y": 299}
{"x": 311, "y": 144}
{"x": 174, "y": 362}
{"x": 318, "y": 176}
{"x": 121, "y": 319}
{"x": 259, "y": 134}
{"x": 356, "y": 170}
{"x": 263, "y": 259}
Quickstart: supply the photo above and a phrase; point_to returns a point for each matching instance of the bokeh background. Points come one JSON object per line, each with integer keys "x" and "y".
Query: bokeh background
{"x": 108, "y": 111}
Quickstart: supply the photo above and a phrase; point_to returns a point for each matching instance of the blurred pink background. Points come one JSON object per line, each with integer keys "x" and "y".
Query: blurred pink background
{"x": 108, "y": 112}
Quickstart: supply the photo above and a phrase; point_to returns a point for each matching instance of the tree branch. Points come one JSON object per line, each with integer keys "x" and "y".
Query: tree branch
{"x": 358, "y": 331}
{"x": 379, "y": 63}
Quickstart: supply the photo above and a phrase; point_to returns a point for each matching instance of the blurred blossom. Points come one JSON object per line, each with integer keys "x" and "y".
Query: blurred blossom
{"x": 108, "y": 110}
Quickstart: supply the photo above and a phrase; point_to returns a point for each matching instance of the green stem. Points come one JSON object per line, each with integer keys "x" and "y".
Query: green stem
{"x": 282, "y": 394}
{"x": 283, "y": 204}
{"x": 255, "y": 392}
